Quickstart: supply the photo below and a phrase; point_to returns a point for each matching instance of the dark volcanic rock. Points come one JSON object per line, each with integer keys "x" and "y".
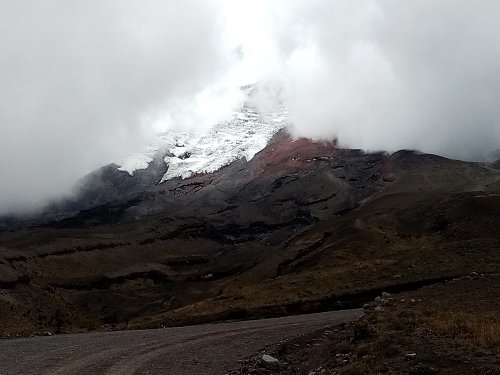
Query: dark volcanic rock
{"x": 496, "y": 164}
{"x": 108, "y": 184}
{"x": 300, "y": 225}
{"x": 286, "y": 180}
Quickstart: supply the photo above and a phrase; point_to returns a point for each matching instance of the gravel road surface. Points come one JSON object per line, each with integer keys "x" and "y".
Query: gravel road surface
{"x": 203, "y": 349}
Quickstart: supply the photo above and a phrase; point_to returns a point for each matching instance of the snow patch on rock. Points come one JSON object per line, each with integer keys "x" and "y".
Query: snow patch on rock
{"x": 246, "y": 133}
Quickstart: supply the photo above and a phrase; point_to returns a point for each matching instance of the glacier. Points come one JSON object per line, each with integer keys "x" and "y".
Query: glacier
{"x": 246, "y": 133}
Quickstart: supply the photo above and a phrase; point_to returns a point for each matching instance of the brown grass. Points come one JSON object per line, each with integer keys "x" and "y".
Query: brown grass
{"x": 478, "y": 329}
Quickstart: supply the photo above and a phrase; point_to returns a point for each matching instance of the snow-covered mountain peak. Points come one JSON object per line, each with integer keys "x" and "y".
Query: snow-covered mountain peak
{"x": 246, "y": 133}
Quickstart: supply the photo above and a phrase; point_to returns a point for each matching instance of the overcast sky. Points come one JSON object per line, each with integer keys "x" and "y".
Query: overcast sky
{"x": 83, "y": 83}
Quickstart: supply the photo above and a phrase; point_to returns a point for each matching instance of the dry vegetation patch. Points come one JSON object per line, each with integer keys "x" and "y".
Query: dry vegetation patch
{"x": 481, "y": 330}
{"x": 447, "y": 328}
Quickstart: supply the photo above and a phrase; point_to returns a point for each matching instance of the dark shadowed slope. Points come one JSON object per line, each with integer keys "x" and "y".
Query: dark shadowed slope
{"x": 301, "y": 227}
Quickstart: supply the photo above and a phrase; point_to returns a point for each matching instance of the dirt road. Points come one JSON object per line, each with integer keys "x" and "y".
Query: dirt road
{"x": 204, "y": 349}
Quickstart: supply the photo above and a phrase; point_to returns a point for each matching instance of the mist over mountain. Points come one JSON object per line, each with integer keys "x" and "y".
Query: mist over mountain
{"x": 79, "y": 80}
{"x": 84, "y": 85}
{"x": 195, "y": 162}
{"x": 392, "y": 75}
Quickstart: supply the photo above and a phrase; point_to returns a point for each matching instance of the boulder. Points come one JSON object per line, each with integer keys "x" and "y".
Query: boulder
{"x": 270, "y": 362}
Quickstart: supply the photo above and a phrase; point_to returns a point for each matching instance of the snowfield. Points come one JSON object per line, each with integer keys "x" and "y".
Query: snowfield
{"x": 187, "y": 154}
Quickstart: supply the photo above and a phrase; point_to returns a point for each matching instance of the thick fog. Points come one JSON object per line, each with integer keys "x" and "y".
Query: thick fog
{"x": 78, "y": 78}
{"x": 85, "y": 82}
{"x": 389, "y": 74}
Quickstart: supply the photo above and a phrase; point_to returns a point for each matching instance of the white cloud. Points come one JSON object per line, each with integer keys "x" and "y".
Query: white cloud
{"x": 77, "y": 77}
{"x": 386, "y": 74}
{"x": 84, "y": 82}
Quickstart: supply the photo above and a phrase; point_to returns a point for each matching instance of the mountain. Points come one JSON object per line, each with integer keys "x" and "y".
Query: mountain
{"x": 216, "y": 228}
{"x": 247, "y": 132}
{"x": 177, "y": 155}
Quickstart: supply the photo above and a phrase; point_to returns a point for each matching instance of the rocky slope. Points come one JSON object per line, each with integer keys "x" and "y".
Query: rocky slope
{"x": 302, "y": 226}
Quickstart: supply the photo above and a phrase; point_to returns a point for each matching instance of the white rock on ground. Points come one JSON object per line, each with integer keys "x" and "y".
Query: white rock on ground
{"x": 270, "y": 362}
